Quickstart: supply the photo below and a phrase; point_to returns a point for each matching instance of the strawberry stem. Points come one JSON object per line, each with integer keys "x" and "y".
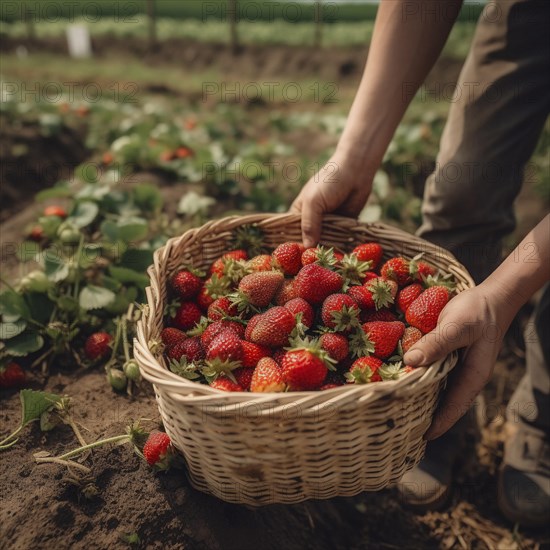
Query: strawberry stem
{"x": 99, "y": 443}
{"x": 68, "y": 463}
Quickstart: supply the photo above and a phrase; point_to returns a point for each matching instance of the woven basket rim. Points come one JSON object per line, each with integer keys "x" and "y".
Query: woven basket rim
{"x": 156, "y": 373}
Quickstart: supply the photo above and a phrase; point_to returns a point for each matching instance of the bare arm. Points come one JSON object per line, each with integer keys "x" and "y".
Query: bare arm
{"x": 408, "y": 37}
{"x": 478, "y": 319}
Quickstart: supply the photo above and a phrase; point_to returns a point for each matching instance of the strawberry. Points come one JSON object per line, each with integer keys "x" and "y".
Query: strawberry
{"x": 12, "y": 376}
{"x": 325, "y": 257}
{"x": 422, "y": 271}
{"x": 288, "y": 256}
{"x": 353, "y": 270}
{"x": 36, "y": 233}
{"x": 340, "y": 312}
{"x": 214, "y": 287}
{"x": 187, "y": 316}
{"x": 278, "y": 356}
{"x": 314, "y": 283}
{"x": 407, "y": 295}
{"x": 364, "y": 370}
{"x": 252, "y": 353}
{"x": 336, "y": 345}
{"x": 190, "y": 348}
{"x": 369, "y": 275}
{"x": 243, "y": 376}
{"x": 220, "y": 308}
{"x": 397, "y": 269}
{"x": 258, "y": 289}
{"x": 97, "y": 345}
{"x": 55, "y": 210}
{"x": 384, "y": 336}
{"x": 305, "y": 367}
{"x": 171, "y": 336}
{"x": 267, "y": 377}
{"x": 424, "y": 312}
{"x": 184, "y": 152}
{"x": 333, "y": 380}
{"x": 186, "y": 285}
{"x": 383, "y": 314}
{"x": 286, "y": 292}
{"x": 374, "y": 294}
{"x": 218, "y": 266}
{"x": 369, "y": 252}
{"x": 299, "y": 305}
{"x": 224, "y": 383}
{"x": 273, "y": 328}
{"x": 157, "y": 450}
{"x": 409, "y": 339}
{"x": 226, "y": 346}
{"x": 252, "y": 322}
{"x": 262, "y": 262}
{"x": 309, "y": 256}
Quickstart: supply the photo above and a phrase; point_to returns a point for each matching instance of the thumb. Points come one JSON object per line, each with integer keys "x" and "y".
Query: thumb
{"x": 312, "y": 218}
{"x": 437, "y": 344}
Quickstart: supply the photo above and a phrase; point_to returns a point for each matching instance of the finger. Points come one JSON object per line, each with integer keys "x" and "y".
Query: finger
{"x": 296, "y": 206}
{"x": 465, "y": 383}
{"x": 312, "y": 217}
{"x": 445, "y": 338}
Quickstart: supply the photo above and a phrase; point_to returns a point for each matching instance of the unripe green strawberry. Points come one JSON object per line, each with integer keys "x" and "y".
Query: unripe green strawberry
{"x": 131, "y": 370}
{"x": 117, "y": 379}
{"x": 424, "y": 312}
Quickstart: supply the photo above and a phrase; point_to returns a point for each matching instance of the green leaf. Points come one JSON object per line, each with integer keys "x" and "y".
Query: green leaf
{"x": 12, "y": 303}
{"x": 125, "y": 275}
{"x": 27, "y": 251}
{"x": 27, "y": 342}
{"x": 40, "y": 306}
{"x": 147, "y": 197}
{"x": 95, "y": 297}
{"x": 55, "y": 266}
{"x": 34, "y": 403}
{"x": 68, "y": 304}
{"x": 50, "y": 225}
{"x": 10, "y": 329}
{"x": 132, "y": 229}
{"x": 84, "y": 213}
{"x": 110, "y": 230}
{"x": 53, "y": 193}
{"x": 137, "y": 259}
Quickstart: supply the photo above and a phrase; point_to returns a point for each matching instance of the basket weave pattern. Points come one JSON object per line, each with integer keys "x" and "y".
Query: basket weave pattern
{"x": 257, "y": 449}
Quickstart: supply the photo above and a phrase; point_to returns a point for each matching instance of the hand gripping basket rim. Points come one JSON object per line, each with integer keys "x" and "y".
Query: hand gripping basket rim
{"x": 219, "y": 443}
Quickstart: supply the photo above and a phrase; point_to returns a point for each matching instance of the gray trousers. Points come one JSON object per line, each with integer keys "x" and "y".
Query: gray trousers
{"x": 502, "y": 101}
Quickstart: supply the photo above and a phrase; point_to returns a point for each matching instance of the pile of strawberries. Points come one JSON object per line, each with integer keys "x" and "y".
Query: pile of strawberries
{"x": 300, "y": 319}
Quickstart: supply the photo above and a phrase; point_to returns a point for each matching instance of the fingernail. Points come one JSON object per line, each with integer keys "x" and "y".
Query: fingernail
{"x": 414, "y": 358}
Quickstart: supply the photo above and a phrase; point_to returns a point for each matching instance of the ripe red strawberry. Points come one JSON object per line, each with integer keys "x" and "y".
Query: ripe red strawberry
{"x": 424, "y": 312}
{"x": 278, "y": 356}
{"x": 225, "y": 384}
{"x": 187, "y": 316}
{"x": 374, "y": 294}
{"x": 190, "y": 348}
{"x": 325, "y": 257}
{"x": 262, "y": 262}
{"x": 369, "y": 276}
{"x": 299, "y": 305}
{"x": 184, "y": 152}
{"x": 273, "y": 328}
{"x": 369, "y": 252}
{"x": 286, "y": 292}
{"x": 314, "y": 283}
{"x": 303, "y": 370}
{"x": 252, "y": 322}
{"x": 397, "y": 269}
{"x": 410, "y": 337}
{"x": 97, "y": 345}
{"x": 336, "y": 345}
{"x": 36, "y": 233}
{"x": 383, "y": 314}
{"x": 364, "y": 370}
{"x": 185, "y": 284}
{"x": 220, "y": 308}
{"x": 171, "y": 336}
{"x": 252, "y": 353}
{"x": 288, "y": 256}
{"x": 157, "y": 449}
{"x": 258, "y": 289}
{"x": 226, "y": 346}
{"x": 267, "y": 377}
{"x": 333, "y": 380}
{"x": 55, "y": 210}
{"x": 204, "y": 300}
{"x": 243, "y": 376}
{"x": 309, "y": 256}
{"x": 422, "y": 270}
{"x": 407, "y": 295}
{"x": 340, "y": 312}
{"x": 12, "y": 376}
{"x": 384, "y": 336}
{"x": 218, "y": 266}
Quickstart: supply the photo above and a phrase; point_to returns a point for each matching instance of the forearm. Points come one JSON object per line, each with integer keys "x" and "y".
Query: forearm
{"x": 407, "y": 39}
{"x": 523, "y": 272}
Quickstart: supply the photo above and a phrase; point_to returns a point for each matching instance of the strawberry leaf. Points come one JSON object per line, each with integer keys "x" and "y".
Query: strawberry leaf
{"x": 27, "y": 342}
{"x": 84, "y": 213}
{"x": 12, "y": 303}
{"x": 10, "y": 329}
{"x": 95, "y": 297}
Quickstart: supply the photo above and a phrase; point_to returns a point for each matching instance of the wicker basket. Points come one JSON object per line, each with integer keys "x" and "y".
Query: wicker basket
{"x": 258, "y": 449}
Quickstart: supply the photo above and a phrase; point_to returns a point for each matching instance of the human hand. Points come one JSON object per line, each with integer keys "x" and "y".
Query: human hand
{"x": 342, "y": 186}
{"x": 476, "y": 319}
